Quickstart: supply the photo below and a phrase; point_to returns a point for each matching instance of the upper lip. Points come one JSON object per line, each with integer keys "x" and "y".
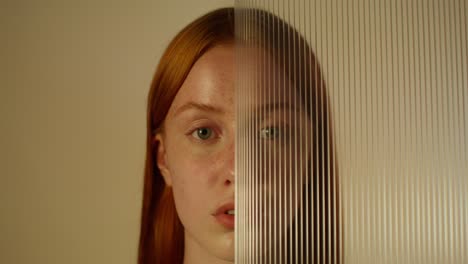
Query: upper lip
{"x": 224, "y": 208}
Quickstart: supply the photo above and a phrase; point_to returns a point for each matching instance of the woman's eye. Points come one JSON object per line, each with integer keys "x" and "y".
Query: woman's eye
{"x": 203, "y": 133}
{"x": 270, "y": 132}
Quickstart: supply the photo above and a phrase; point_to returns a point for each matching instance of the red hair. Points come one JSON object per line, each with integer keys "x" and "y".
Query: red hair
{"x": 161, "y": 232}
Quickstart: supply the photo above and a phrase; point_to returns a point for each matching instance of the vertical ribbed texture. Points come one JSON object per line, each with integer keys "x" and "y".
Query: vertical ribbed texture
{"x": 352, "y": 131}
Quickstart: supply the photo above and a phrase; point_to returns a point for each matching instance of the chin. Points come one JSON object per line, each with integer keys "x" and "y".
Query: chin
{"x": 226, "y": 247}
{"x": 228, "y": 256}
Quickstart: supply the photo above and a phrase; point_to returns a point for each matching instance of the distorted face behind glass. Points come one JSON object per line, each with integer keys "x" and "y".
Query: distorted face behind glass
{"x": 274, "y": 139}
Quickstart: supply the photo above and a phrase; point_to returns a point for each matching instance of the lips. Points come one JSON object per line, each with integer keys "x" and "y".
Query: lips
{"x": 222, "y": 216}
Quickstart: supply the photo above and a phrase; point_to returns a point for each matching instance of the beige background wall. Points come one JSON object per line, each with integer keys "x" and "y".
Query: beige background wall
{"x": 74, "y": 80}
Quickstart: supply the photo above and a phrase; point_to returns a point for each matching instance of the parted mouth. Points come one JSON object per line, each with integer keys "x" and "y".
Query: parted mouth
{"x": 227, "y": 208}
{"x": 225, "y": 215}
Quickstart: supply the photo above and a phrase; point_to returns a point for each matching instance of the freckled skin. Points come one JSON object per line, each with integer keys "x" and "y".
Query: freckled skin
{"x": 200, "y": 172}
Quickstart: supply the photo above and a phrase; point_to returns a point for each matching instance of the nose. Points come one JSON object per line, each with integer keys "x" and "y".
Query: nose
{"x": 230, "y": 164}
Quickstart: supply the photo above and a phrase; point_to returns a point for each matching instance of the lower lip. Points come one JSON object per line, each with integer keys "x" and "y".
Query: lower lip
{"x": 226, "y": 220}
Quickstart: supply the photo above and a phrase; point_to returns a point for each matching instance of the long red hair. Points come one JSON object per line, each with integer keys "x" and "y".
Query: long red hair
{"x": 161, "y": 233}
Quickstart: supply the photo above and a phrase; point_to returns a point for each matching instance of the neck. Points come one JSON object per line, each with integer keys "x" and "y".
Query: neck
{"x": 194, "y": 253}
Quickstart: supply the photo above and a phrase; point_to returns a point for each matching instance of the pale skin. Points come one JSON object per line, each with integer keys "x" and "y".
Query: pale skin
{"x": 196, "y": 149}
{"x": 196, "y": 155}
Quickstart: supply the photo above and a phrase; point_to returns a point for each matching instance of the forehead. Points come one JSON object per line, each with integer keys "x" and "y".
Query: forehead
{"x": 261, "y": 79}
{"x": 210, "y": 81}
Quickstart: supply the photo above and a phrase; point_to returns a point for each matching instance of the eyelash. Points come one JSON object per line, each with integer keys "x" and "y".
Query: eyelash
{"x": 280, "y": 133}
{"x": 264, "y": 132}
{"x": 196, "y": 132}
{"x": 193, "y": 133}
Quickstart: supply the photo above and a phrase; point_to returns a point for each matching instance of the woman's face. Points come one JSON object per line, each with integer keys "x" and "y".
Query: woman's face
{"x": 196, "y": 156}
{"x": 196, "y": 148}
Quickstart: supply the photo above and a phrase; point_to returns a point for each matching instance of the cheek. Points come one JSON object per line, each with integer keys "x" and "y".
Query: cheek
{"x": 194, "y": 177}
{"x": 194, "y": 168}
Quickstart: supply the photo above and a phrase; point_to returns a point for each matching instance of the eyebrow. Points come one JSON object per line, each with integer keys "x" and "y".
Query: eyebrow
{"x": 278, "y": 106}
{"x": 198, "y": 106}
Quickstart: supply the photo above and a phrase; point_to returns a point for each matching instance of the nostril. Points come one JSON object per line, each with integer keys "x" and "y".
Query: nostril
{"x": 227, "y": 182}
